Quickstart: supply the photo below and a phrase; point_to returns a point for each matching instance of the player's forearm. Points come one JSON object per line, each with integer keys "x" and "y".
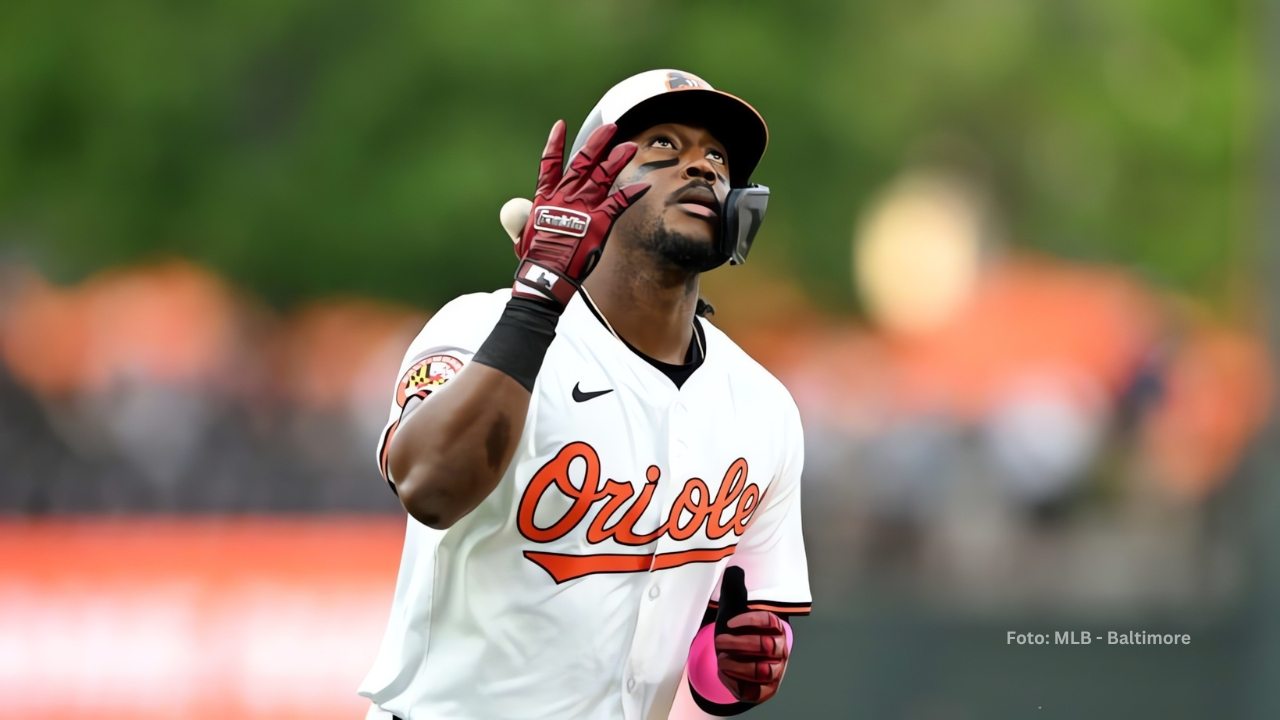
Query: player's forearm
{"x": 450, "y": 454}
{"x": 452, "y": 451}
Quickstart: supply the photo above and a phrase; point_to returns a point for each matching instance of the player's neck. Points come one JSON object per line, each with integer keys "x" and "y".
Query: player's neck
{"x": 650, "y": 308}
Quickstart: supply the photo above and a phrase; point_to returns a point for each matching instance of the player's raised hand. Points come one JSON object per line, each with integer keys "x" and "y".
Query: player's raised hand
{"x": 751, "y": 645}
{"x": 571, "y": 215}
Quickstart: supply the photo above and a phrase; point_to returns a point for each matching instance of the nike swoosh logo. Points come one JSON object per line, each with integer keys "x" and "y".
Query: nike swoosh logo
{"x": 579, "y": 396}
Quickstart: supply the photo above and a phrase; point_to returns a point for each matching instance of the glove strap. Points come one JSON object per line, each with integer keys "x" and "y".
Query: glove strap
{"x": 539, "y": 282}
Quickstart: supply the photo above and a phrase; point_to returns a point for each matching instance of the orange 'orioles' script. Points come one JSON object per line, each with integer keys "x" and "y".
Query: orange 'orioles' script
{"x": 693, "y": 510}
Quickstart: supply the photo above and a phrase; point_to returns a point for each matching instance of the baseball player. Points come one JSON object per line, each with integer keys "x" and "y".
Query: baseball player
{"x": 603, "y": 489}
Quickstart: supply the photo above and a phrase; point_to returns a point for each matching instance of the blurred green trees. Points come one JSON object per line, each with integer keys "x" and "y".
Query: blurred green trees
{"x": 314, "y": 147}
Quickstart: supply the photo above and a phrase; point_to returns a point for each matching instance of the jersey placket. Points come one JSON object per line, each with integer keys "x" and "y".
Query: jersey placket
{"x": 647, "y": 660}
{"x": 648, "y": 657}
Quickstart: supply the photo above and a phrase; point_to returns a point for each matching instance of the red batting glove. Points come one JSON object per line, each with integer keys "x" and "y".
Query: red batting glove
{"x": 751, "y": 645}
{"x": 571, "y": 215}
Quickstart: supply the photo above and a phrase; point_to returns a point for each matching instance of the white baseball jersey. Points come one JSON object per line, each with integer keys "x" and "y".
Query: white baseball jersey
{"x": 575, "y": 589}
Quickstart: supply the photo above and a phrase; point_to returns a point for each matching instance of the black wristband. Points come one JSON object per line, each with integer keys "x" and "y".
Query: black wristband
{"x": 519, "y": 341}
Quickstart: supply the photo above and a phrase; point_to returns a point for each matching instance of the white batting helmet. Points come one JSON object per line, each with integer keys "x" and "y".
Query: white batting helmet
{"x": 661, "y": 96}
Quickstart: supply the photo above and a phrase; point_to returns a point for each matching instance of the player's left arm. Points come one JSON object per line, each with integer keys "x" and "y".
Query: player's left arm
{"x": 740, "y": 655}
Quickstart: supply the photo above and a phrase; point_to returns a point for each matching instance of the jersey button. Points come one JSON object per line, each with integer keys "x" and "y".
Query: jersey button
{"x": 654, "y": 592}
{"x": 631, "y": 684}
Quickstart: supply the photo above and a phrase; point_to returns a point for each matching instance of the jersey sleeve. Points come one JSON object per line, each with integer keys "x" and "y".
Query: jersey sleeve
{"x": 444, "y": 346}
{"x": 771, "y": 552}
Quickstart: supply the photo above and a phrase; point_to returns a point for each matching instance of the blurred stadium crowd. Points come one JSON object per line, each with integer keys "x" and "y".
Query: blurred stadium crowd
{"x": 162, "y": 389}
{"x": 1000, "y": 415}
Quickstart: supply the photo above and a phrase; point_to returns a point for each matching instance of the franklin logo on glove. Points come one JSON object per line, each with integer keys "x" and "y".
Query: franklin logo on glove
{"x": 563, "y": 221}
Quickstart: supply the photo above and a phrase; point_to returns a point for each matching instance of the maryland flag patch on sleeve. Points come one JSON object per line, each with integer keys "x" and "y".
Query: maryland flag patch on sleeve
{"x": 426, "y": 376}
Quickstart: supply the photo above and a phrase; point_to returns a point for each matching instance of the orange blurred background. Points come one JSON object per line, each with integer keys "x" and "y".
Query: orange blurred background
{"x": 201, "y": 618}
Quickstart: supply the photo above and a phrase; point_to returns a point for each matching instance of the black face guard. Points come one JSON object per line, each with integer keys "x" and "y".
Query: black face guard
{"x": 743, "y": 213}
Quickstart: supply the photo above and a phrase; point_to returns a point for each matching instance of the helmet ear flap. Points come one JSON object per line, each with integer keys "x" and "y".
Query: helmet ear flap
{"x": 744, "y": 210}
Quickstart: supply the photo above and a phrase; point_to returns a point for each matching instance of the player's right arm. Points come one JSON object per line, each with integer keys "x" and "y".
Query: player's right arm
{"x": 449, "y": 454}
{"x": 446, "y": 458}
